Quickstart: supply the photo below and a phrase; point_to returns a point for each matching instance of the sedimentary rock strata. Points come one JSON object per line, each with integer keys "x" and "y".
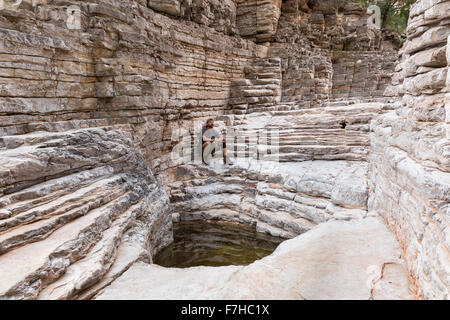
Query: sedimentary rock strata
{"x": 410, "y": 177}
{"x": 284, "y": 200}
{"x": 94, "y": 94}
{"x": 337, "y": 130}
{"x": 258, "y": 19}
{"x": 69, "y": 201}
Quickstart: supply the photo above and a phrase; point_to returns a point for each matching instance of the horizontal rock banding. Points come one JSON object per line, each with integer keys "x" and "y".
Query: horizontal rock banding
{"x": 409, "y": 161}
{"x": 87, "y": 114}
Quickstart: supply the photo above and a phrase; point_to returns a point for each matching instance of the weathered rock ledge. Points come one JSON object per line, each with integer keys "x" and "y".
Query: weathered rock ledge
{"x": 72, "y": 205}
{"x": 410, "y": 151}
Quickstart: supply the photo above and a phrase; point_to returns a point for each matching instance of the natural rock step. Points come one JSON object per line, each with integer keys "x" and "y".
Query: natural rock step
{"x": 265, "y": 63}
{"x": 352, "y": 154}
{"x": 257, "y": 103}
{"x": 326, "y": 149}
{"x": 265, "y": 75}
{"x": 293, "y": 197}
{"x": 287, "y": 145}
{"x": 307, "y": 156}
{"x": 268, "y": 81}
{"x": 283, "y": 145}
{"x": 263, "y": 109}
{"x": 27, "y": 269}
{"x": 61, "y": 205}
{"x": 257, "y": 92}
{"x": 261, "y": 88}
{"x": 322, "y": 129}
{"x": 18, "y": 172}
{"x": 285, "y": 221}
{"x": 262, "y": 69}
{"x": 272, "y": 230}
{"x": 240, "y": 107}
{"x": 286, "y": 139}
{"x": 268, "y": 86}
{"x": 45, "y": 192}
{"x": 13, "y": 142}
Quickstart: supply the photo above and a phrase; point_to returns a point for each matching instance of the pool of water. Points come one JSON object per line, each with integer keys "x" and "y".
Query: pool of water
{"x": 200, "y": 243}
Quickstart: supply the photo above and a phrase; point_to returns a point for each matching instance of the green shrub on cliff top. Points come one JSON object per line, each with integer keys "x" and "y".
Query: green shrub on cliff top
{"x": 394, "y": 14}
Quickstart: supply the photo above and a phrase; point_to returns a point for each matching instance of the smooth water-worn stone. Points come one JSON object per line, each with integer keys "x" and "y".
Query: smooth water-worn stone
{"x": 336, "y": 260}
{"x": 93, "y": 111}
{"x": 68, "y": 201}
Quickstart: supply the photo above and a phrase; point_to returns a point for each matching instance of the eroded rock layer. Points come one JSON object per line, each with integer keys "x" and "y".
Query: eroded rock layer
{"x": 69, "y": 202}
{"x": 93, "y": 92}
{"x": 284, "y": 200}
{"x": 336, "y": 260}
{"x": 410, "y": 151}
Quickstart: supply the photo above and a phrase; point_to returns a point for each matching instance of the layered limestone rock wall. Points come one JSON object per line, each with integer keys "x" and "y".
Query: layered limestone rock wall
{"x": 261, "y": 88}
{"x": 284, "y": 200}
{"x": 410, "y": 151}
{"x": 72, "y": 205}
{"x": 257, "y": 20}
{"x": 91, "y": 93}
{"x": 306, "y": 74}
{"x": 361, "y": 74}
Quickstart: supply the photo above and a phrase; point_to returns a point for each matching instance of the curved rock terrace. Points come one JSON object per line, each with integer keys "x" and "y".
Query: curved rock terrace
{"x": 340, "y": 140}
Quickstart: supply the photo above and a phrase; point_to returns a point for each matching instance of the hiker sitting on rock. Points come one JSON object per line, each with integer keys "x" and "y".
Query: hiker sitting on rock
{"x": 210, "y": 137}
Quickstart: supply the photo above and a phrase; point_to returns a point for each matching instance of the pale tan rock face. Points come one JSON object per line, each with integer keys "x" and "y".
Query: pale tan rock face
{"x": 218, "y": 14}
{"x": 410, "y": 159}
{"x": 336, "y": 260}
{"x": 258, "y": 19}
{"x": 90, "y": 99}
{"x": 284, "y": 200}
{"x": 83, "y": 116}
{"x": 68, "y": 202}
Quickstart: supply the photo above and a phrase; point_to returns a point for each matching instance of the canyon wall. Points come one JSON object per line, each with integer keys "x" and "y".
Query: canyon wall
{"x": 164, "y": 65}
{"x": 410, "y": 151}
{"x": 257, "y": 20}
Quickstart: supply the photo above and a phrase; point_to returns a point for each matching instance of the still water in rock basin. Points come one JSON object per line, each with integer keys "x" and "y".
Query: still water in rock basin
{"x": 199, "y": 243}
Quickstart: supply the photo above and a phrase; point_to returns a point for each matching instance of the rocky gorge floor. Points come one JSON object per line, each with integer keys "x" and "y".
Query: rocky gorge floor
{"x": 335, "y": 260}
{"x": 338, "y": 250}
{"x": 320, "y": 205}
